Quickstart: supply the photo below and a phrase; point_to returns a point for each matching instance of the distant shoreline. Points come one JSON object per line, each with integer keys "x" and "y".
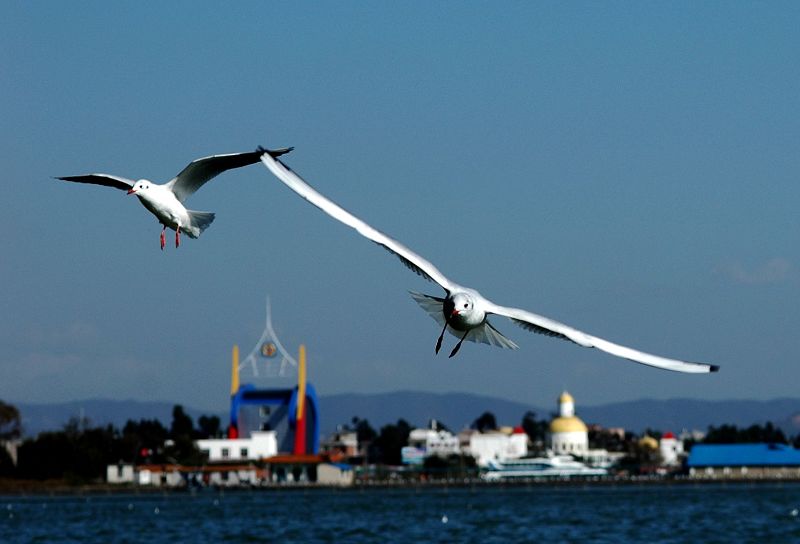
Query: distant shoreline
{"x": 60, "y": 488}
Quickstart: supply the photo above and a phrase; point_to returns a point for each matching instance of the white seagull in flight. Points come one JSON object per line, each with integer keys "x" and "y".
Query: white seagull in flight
{"x": 166, "y": 201}
{"x": 463, "y": 311}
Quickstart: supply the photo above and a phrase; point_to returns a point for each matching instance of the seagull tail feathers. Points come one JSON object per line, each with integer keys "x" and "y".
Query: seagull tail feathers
{"x": 200, "y": 222}
{"x": 487, "y": 334}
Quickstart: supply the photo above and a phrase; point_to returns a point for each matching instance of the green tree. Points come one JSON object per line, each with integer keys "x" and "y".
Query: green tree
{"x": 364, "y": 430}
{"x": 208, "y": 427}
{"x": 182, "y": 449}
{"x": 534, "y": 428}
{"x": 390, "y": 442}
{"x": 7, "y": 468}
{"x": 731, "y": 434}
{"x": 485, "y": 422}
{"x": 143, "y": 441}
{"x": 182, "y": 424}
{"x": 78, "y": 453}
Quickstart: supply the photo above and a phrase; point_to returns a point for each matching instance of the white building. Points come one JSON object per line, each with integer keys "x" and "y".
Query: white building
{"x": 506, "y": 443}
{"x": 123, "y": 473}
{"x": 341, "y": 443}
{"x": 568, "y": 434}
{"x": 261, "y": 444}
{"x": 335, "y": 474}
{"x": 671, "y": 449}
{"x": 159, "y": 476}
{"x": 433, "y": 442}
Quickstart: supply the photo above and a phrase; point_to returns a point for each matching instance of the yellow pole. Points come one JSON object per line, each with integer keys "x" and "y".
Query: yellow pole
{"x": 235, "y": 370}
{"x": 301, "y": 382}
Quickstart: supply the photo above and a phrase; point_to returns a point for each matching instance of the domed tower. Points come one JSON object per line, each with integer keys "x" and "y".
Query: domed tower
{"x": 568, "y": 434}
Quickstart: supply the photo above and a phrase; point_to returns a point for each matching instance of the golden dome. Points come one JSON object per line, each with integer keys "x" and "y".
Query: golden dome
{"x": 569, "y": 424}
{"x": 648, "y": 442}
{"x": 565, "y": 397}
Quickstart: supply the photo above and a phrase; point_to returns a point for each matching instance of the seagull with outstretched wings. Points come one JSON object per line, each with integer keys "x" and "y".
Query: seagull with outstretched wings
{"x": 165, "y": 201}
{"x": 463, "y": 311}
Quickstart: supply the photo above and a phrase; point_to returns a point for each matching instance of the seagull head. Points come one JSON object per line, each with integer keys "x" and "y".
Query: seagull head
{"x": 139, "y": 187}
{"x": 461, "y": 303}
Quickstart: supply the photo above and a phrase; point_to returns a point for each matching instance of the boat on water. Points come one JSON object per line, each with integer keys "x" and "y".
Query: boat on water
{"x": 557, "y": 466}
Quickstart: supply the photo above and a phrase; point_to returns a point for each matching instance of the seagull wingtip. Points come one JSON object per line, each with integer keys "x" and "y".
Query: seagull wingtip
{"x": 274, "y": 153}
{"x": 713, "y": 368}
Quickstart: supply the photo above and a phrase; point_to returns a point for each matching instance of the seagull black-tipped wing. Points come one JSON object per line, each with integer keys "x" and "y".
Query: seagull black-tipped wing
{"x": 117, "y": 182}
{"x": 413, "y": 261}
{"x": 550, "y": 327}
{"x": 199, "y": 171}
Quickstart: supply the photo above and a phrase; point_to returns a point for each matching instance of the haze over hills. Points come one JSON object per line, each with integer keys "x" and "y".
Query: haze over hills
{"x": 459, "y": 410}
{"x": 456, "y": 410}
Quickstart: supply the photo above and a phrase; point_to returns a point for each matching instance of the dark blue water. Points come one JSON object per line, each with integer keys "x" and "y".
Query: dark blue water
{"x": 653, "y": 513}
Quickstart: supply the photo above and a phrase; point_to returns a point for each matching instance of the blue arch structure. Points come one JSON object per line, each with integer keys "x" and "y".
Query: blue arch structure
{"x": 248, "y": 395}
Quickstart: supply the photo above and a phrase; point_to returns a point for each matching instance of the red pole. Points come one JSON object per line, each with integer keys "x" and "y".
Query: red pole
{"x": 300, "y": 415}
{"x": 300, "y": 436}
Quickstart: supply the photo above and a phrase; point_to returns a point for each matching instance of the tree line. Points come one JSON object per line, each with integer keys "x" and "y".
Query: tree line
{"x": 80, "y": 452}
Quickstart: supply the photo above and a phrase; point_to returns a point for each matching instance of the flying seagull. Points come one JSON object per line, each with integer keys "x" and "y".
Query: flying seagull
{"x": 165, "y": 201}
{"x": 463, "y": 311}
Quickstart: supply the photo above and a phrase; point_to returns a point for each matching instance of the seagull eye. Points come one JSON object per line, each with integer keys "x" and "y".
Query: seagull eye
{"x": 466, "y": 305}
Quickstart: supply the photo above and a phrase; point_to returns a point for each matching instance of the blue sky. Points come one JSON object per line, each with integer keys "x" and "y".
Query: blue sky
{"x": 627, "y": 168}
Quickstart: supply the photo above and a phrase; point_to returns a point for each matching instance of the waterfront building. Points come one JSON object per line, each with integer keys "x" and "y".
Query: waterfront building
{"x": 277, "y": 470}
{"x": 433, "y": 441}
{"x": 671, "y": 450}
{"x": 504, "y": 443}
{"x": 122, "y": 473}
{"x": 342, "y": 443}
{"x": 568, "y": 434}
{"x": 711, "y": 461}
{"x": 260, "y": 445}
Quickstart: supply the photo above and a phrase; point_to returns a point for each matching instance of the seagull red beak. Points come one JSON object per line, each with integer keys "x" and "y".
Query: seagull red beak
{"x": 131, "y": 191}
{"x": 454, "y": 312}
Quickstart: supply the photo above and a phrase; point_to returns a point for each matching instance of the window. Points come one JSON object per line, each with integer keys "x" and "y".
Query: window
{"x": 225, "y": 453}
{"x": 243, "y": 453}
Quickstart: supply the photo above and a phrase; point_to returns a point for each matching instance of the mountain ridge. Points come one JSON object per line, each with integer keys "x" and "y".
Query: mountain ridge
{"x": 455, "y": 409}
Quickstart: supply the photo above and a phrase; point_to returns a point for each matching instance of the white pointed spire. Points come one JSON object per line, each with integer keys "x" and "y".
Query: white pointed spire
{"x": 266, "y": 351}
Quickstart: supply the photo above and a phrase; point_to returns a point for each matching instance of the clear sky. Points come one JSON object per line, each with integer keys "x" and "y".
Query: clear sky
{"x": 630, "y": 169}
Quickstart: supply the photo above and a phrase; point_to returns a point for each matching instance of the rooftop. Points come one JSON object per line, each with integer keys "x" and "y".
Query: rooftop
{"x": 714, "y": 455}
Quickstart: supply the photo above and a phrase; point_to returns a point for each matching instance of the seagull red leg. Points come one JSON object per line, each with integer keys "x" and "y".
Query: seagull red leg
{"x": 163, "y": 238}
{"x": 177, "y": 236}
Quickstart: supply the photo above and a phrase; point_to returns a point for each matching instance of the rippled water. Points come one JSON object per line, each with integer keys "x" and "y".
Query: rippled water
{"x": 652, "y": 513}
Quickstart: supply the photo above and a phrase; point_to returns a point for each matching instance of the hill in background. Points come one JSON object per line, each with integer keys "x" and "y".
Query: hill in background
{"x": 456, "y": 410}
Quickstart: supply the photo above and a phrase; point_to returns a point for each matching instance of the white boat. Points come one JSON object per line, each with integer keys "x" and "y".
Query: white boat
{"x": 558, "y": 466}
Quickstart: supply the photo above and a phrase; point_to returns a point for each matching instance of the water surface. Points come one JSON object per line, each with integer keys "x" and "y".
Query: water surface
{"x": 613, "y": 514}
